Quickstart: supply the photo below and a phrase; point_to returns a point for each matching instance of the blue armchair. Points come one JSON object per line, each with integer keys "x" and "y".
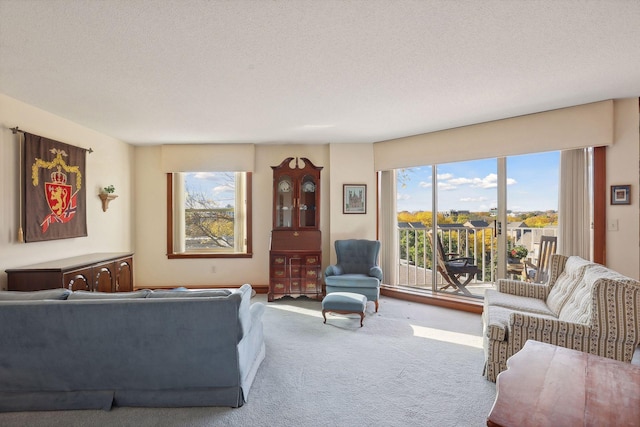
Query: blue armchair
{"x": 356, "y": 269}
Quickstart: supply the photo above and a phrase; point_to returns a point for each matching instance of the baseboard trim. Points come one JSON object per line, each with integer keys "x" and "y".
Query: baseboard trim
{"x": 471, "y": 305}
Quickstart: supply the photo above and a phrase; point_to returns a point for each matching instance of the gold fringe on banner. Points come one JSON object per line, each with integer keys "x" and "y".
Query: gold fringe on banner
{"x": 20, "y": 177}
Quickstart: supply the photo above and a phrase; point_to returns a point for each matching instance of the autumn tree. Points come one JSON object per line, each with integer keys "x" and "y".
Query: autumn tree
{"x": 206, "y": 219}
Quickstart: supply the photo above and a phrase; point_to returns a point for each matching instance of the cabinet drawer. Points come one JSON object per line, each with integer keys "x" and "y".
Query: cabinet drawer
{"x": 295, "y": 285}
{"x": 312, "y": 260}
{"x": 278, "y": 271}
{"x": 103, "y": 277}
{"x": 311, "y": 287}
{"x": 79, "y": 280}
{"x": 280, "y": 286}
{"x": 278, "y": 260}
{"x": 310, "y": 273}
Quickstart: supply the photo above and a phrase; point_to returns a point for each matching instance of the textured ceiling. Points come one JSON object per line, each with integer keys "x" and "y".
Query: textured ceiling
{"x": 301, "y": 71}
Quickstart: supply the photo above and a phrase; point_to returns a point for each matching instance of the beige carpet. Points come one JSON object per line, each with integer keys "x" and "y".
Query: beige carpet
{"x": 410, "y": 365}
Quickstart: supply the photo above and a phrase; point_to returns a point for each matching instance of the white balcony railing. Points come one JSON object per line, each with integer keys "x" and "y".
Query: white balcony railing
{"x": 415, "y": 253}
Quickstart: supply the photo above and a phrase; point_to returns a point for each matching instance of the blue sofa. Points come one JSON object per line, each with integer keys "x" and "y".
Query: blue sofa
{"x": 84, "y": 350}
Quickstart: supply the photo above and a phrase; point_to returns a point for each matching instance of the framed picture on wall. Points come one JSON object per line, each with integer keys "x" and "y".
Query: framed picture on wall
{"x": 620, "y": 194}
{"x": 354, "y": 199}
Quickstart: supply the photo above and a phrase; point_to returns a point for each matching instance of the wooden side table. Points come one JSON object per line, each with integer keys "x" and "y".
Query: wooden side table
{"x": 547, "y": 385}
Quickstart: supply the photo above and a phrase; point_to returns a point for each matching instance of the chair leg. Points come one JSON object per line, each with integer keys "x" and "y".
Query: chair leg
{"x": 462, "y": 286}
{"x": 376, "y": 303}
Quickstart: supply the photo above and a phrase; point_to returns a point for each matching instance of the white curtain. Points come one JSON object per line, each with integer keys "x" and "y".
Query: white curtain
{"x": 388, "y": 227}
{"x": 574, "y": 207}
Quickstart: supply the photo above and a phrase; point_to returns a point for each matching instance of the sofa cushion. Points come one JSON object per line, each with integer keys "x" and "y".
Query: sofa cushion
{"x": 579, "y": 305}
{"x": 566, "y": 283}
{"x": 515, "y": 302}
{"x": 189, "y": 293}
{"x": 352, "y": 281}
{"x": 81, "y": 295}
{"x": 60, "y": 293}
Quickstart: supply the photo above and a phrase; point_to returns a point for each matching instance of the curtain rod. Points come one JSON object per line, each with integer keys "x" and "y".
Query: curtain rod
{"x": 18, "y": 130}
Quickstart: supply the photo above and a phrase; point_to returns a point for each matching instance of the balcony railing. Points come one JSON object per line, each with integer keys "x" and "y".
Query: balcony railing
{"x": 415, "y": 252}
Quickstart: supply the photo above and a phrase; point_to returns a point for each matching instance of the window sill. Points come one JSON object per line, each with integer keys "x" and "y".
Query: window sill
{"x": 209, "y": 255}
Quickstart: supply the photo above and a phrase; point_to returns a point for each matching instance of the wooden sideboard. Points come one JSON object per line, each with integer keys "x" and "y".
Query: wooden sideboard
{"x": 102, "y": 272}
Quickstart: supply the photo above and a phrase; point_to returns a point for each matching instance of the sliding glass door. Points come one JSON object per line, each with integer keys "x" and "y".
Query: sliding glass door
{"x": 532, "y": 210}
{"x": 484, "y": 214}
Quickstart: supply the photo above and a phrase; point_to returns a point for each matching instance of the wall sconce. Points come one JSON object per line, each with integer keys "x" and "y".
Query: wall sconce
{"x": 106, "y": 195}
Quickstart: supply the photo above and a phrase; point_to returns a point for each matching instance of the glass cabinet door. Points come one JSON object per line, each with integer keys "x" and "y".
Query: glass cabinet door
{"x": 307, "y": 204}
{"x": 284, "y": 202}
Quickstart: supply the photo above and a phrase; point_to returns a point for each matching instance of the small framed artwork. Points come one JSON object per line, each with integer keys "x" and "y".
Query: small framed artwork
{"x": 620, "y": 194}
{"x": 354, "y": 199}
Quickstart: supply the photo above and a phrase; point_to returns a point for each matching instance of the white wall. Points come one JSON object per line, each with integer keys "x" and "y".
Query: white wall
{"x": 351, "y": 164}
{"x": 110, "y": 163}
{"x": 152, "y": 266}
{"x": 623, "y": 251}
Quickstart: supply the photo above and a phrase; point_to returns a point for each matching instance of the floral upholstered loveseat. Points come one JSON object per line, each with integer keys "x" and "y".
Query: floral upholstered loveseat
{"x": 583, "y": 306}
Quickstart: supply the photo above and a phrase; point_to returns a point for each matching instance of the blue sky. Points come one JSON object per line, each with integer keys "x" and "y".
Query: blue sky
{"x": 216, "y": 185}
{"x": 532, "y": 185}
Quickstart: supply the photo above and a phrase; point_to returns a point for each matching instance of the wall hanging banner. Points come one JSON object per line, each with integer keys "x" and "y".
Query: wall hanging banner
{"x": 55, "y": 196}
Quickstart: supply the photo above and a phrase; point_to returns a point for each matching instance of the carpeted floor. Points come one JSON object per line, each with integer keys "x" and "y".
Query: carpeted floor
{"x": 410, "y": 365}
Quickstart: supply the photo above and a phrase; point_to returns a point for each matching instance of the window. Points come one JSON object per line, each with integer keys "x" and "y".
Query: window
{"x": 209, "y": 215}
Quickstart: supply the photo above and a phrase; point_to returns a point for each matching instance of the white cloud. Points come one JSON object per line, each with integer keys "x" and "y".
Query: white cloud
{"x": 425, "y": 184}
{"x": 474, "y": 199}
{"x": 445, "y": 176}
{"x": 446, "y": 186}
{"x": 403, "y": 197}
{"x": 489, "y": 181}
{"x": 462, "y": 181}
{"x": 205, "y": 175}
{"x": 222, "y": 188}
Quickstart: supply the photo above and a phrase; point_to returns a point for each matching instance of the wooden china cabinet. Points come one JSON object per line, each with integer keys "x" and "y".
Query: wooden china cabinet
{"x": 295, "y": 256}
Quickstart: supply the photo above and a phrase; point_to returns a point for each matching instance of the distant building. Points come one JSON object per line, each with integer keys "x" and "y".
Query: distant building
{"x": 476, "y": 224}
{"x": 494, "y": 212}
{"x": 454, "y": 226}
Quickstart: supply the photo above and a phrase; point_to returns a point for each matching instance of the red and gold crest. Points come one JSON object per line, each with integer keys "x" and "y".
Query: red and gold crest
{"x": 58, "y": 193}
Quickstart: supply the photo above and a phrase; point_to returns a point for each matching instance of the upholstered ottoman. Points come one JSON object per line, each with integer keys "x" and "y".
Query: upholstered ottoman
{"x": 344, "y": 303}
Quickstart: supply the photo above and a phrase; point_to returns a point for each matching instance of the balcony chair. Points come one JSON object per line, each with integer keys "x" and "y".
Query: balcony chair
{"x": 539, "y": 273}
{"x": 452, "y": 267}
{"x": 356, "y": 269}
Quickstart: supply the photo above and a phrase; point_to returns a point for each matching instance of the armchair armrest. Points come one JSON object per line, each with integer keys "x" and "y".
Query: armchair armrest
{"x": 523, "y": 289}
{"x": 333, "y": 270}
{"x": 523, "y": 327}
{"x": 465, "y": 261}
{"x": 620, "y": 301}
{"x": 376, "y": 272}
